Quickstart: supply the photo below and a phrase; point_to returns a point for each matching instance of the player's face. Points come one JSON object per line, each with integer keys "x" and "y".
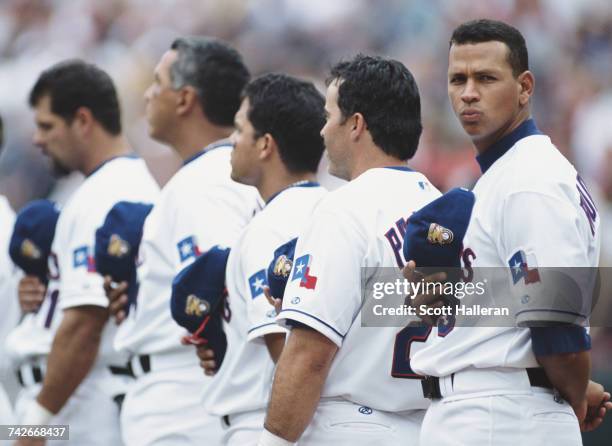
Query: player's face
{"x": 485, "y": 95}
{"x": 244, "y": 156}
{"x": 160, "y": 100}
{"x": 55, "y": 137}
{"x": 335, "y": 135}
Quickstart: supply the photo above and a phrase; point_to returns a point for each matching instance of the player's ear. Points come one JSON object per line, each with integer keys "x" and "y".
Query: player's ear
{"x": 526, "y": 82}
{"x": 267, "y": 146}
{"x": 358, "y": 125}
{"x": 186, "y": 100}
{"x": 83, "y": 121}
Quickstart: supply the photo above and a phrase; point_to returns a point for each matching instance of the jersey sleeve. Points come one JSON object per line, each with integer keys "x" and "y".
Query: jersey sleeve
{"x": 547, "y": 254}
{"x": 323, "y": 290}
{"x": 203, "y": 219}
{"x": 80, "y": 282}
{"x": 258, "y": 250}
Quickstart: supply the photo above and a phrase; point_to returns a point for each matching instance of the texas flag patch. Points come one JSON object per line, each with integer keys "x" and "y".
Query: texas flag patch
{"x": 256, "y": 282}
{"x": 301, "y": 270}
{"x": 82, "y": 257}
{"x": 188, "y": 248}
{"x": 520, "y": 268}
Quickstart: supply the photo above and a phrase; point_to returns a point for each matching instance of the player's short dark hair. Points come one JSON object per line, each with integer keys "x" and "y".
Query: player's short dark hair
{"x": 215, "y": 70}
{"x": 74, "y": 83}
{"x": 293, "y": 112}
{"x": 386, "y": 94}
{"x": 485, "y": 30}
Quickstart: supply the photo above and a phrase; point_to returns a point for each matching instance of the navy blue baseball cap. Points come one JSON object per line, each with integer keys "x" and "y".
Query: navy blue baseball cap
{"x": 118, "y": 240}
{"x": 197, "y": 301}
{"x": 32, "y": 237}
{"x": 434, "y": 234}
{"x": 280, "y": 268}
{"x": 117, "y": 244}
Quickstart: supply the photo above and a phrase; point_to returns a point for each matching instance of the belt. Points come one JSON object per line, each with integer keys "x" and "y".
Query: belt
{"x": 29, "y": 374}
{"x": 431, "y": 384}
{"x": 140, "y": 365}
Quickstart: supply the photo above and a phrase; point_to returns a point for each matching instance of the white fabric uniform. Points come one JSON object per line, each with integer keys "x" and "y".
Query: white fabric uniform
{"x": 358, "y": 225}
{"x": 242, "y": 384}
{"x": 8, "y": 302}
{"x": 198, "y": 208}
{"x": 74, "y": 282}
{"x": 529, "y": 201}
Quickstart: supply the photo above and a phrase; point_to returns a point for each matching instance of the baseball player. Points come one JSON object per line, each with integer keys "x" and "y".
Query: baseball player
{"x": 494, "y": 385}
{"x": 190, "y": 106}
{"x": 334, "y": 374}
{"x": 78, "y": 126}
{"x": 8, "y": 297}
{"x": 29, "y": 249}
{"x": 279, "y": 155}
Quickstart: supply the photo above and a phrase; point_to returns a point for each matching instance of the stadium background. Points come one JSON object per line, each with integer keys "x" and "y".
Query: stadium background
{"x": 570, "y": 45}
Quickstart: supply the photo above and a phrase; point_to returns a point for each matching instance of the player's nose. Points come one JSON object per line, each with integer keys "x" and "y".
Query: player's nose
{"x": 470, "y": 92}
{"x": 37, "y": 139}
{"x": 147, "y": 93}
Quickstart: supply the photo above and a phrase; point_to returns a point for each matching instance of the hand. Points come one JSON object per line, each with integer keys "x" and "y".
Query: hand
{"x": 117, "y": 297}
{"x": 276, "y": 303}
{"x": 207, "y": 359}
{"x": 31, "y": 441}
{"x": 432, "y": 299}
{"x": 31, "y": 292}
{"x": 594, "y": 407}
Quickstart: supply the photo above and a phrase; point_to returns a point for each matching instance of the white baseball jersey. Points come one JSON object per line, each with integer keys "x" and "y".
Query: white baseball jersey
{"x": 8, "y": 281}
{"x": 244, "y": 380}
{"x": 532, "y": 210}
{"x": 198, "y": 208}
{"x": 360, "y": 225}
{"x": 73, "y": 278}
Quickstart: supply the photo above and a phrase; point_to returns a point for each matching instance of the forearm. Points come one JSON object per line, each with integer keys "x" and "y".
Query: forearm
{"x": 569, "y": 373}
{"x": 300, "y": 375}
{"x": 73, "y": 353}
{"x": 275, "y": 342}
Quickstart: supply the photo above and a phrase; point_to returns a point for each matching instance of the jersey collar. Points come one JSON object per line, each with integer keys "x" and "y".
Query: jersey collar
{"x": 208, "y": 148}
{"x": 498, "y": 149}
{"x": 402, "y": 168}
{"x": 298, "y": 184}
{"x": 129, "y": 156}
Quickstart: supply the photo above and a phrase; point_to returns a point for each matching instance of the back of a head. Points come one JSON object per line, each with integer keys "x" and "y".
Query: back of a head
{"x": 72, "y": 84}
{"x": 386, "y": 94}
{"x": 293, "y": 112}
{"x": 485, "y": 30}
{"x": 215, "y": 70}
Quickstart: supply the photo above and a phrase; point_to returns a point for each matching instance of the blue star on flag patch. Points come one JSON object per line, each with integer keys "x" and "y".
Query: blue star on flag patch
{"x": 520, "y": 268}
{"x": 187, "y": 248}
{"x": 256, "y": 282}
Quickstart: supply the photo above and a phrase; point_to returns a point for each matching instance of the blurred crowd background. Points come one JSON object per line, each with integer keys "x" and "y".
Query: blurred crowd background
{"x": 569, "y": 41}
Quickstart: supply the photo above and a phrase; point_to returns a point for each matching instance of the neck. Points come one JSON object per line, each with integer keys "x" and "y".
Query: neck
{"x": 372, "y": 158}
{"x": 102, "y": 149}
{"x": 484, "y": 143}
{"x": 192, "y": 139}
{"x": 273, "y": 184}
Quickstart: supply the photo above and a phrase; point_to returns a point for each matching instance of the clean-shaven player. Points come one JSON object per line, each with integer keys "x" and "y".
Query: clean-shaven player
{"x": 190, "y": 107}
{"x": 494, "y": 385}
{"x": 334, "y": 374}
{"x": 277, "y": 148}
{"x": 78, "y": 126}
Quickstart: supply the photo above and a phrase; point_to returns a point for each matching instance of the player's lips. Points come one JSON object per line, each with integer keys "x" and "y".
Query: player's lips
{"x": 470, "y": 115}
